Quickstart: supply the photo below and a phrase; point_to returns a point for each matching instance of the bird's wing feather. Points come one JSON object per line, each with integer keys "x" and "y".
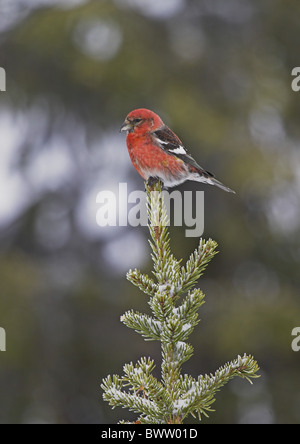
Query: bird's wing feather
{"x": 169, "y": 142}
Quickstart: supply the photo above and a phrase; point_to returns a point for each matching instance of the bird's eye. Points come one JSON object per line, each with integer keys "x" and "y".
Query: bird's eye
{"x": 135, "y": 121}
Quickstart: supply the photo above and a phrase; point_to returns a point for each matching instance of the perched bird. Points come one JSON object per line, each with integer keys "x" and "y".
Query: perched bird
{"x": 157, "y": 153}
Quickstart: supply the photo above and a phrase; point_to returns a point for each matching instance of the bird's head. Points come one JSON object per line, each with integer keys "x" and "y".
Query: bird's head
{"x": 142, "y": 120}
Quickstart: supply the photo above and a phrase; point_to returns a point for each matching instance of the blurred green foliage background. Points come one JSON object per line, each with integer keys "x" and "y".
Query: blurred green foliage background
{"x": 219, "y": 73}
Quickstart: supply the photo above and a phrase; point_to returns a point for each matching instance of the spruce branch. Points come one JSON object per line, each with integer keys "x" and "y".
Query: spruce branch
{"x": 143, "y": 282}
{"x": 199, "y": 395}
{"x": 174, "y": 303}
{"x": 146, "y": 325}
{"x": 196, "y": 264}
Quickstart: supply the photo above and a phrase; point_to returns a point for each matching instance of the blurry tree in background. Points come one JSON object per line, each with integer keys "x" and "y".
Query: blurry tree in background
{"x": 220, "y": 74}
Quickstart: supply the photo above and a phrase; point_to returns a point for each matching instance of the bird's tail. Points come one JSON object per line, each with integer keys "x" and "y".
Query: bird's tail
{"x": 219, "y": 184}
{"x": 207, "y": 177}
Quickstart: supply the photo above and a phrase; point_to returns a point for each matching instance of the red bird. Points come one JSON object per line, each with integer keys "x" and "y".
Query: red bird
{"x": 157, "y": 153}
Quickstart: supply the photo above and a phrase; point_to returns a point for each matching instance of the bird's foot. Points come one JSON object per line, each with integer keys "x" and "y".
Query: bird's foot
{"x": 152, "y": 181}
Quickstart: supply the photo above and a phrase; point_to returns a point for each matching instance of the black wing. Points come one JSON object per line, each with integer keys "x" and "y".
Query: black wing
{"x": 169, "y": 142}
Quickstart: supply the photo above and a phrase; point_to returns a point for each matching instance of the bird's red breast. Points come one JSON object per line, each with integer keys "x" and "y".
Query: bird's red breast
{"x": 148, "y": 158}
